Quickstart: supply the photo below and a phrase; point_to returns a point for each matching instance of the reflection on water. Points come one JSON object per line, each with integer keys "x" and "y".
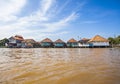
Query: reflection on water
{"x": 60, "y": 66}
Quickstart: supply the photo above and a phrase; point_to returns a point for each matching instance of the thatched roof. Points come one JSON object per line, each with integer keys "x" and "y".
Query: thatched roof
{"x": 47, "y": 40}
{"x": 59, "y": 41}
{"x": 72, "y": 40}
{"x": 98, "y": 38}
{"x": 29, "y": 41}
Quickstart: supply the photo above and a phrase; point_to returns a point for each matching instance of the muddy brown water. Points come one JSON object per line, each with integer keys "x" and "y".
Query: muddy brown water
{"x": 60, "y": 66}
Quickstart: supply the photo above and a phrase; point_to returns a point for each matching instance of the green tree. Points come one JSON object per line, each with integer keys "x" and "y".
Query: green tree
{"x": 111, "y": 40}
{"x": 118, "y": 36}
{"x": 3, "y": 41}
{"x": 115, "y": 40}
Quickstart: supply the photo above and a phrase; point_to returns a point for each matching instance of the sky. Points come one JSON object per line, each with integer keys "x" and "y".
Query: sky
{"x": 64, "y": 19}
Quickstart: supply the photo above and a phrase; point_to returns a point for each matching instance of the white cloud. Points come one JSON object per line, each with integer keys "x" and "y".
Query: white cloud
{"x": 45, "y": 5}
{"x": 9, "y": 8}
{"x": 63, "y": 6}
{"x": 72, "y": 16}
{"x": 36, "y": 25}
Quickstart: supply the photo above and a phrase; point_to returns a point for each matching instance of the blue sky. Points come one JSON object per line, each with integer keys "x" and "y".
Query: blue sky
{"x": 63, "y": 19}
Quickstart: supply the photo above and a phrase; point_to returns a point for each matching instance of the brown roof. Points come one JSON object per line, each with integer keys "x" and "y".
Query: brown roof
{"x": 18, "y": 37}
{"x": 98, "y": 38}
{"x": 72, "y": 41}
{"x": 84, "y": 40}
{"x": 29, "y": 41}
{"x": 59, "y": 41}
{"x": 46, "y": 40}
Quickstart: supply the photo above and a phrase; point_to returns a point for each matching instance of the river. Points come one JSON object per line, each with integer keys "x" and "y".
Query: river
{"x": 60, "y": 66}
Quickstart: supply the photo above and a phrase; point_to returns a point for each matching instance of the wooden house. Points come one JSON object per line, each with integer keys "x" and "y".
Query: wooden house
{"x": 72, "y": 43}
{"x": 98, "y": 41}
{"x": 59, "y": 44}
{"x": 28, "y": 43}
{"x": 15, "y": 41}
{"x": 46, "y": 43}
{"x": 83, "y": 43}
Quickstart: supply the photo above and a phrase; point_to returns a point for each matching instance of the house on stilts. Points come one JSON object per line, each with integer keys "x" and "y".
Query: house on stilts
{"x": 83, "y": 43}
{"x": 59, "y": 44}
{"x": 98, "y": 41}
{"x": 46, "y": 43}
{"x": 15, "y": 41}
{"x": 72, "y": 43}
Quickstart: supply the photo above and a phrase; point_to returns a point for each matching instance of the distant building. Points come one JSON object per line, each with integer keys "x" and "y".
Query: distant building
{"x": 98, "y": 41}
{"x": 18, "y": 41}
{"x": 59, "y": 44}
{"x": 15, "y": 41}
{"x": 72, "y": 43}
{"x": 83, "y": 43}
{"x": 28, "y": 43}
{"x": 46, "y": 43}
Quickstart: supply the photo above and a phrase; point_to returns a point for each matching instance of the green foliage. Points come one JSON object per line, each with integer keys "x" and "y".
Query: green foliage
{"x": 115, "y": 40}
{"x": 3, "y": 41}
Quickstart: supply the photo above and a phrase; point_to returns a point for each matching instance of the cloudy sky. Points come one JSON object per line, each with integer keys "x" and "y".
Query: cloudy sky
{"x": 63, "y": 19}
